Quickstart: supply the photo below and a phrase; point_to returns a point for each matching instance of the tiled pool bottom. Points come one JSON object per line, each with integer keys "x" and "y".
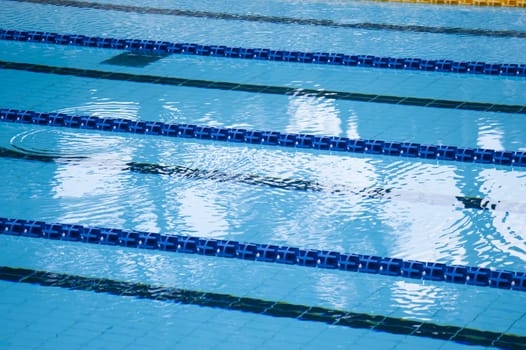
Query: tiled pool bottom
{"x": 104, "y": 297}
{"x": 80, "y": 319}
{"x": 58, "y": 294}
{"x": 83, "y": 320}
{"x": 54, "y": 318}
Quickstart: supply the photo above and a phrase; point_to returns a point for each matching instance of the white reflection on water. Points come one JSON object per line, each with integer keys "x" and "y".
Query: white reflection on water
{"x": 352, "y": 126}
{"x": 310, "y": 114}
{"x": 503, "y": 229}
{"x": 202, "y": 213}
{"x": 490, "y": 133}
{"x": 97, "y": 174}
{"x": 312, "y": 218}
{"x": 88, "y": 185}
{"x": 335, "y": 290}
{"x": 419, "y": 230}
{"x": 417, "y": 299}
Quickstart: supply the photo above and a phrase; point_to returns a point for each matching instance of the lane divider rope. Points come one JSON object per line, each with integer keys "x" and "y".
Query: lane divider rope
{"x": 387, "y": 266}
{"x": 272, "y": 138}
{"x": 369, "y": 61}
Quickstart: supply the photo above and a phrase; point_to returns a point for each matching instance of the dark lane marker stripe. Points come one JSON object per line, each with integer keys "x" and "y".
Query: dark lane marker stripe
{"x": 266, "y": 89}
{"x": 255, "y": 179}
{"x": 322, "y": 58}
{"x": 333, "y": 317}
{"x": 264, "y": 252}
{"x": 282, "y": 20}
{"x": 195, "y": 173}
{"x": 216, "y": 175}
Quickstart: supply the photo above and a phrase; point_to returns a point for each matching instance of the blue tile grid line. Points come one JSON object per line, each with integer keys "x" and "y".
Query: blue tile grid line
{"x": 272, "y": 138}
{"x": 164, "y": 47}
{"x": 387, "y": 266}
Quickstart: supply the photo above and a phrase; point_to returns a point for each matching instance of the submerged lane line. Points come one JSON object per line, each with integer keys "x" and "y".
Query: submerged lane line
{"x": 269, "y": 253}
{"x": 266, "y": 89}
{"x": 282, "y": 20}
{"x": 338, "y": 59}
{"x": 270, "y": 138}
{"x": 295, "y": 184}
{"x": 187, "y": 173}
{"x": 333, "y": 317}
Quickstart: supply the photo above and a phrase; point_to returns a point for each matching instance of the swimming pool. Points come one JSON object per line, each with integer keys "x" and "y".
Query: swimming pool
{"x": 224, "y": 185}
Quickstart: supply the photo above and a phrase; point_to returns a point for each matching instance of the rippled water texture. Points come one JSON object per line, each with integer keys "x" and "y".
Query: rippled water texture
{"x": 440, "y": 211}
{"x": 351, "y": 205}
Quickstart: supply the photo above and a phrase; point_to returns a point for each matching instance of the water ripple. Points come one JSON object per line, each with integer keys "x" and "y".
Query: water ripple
{"x": 414, "y": 215}
{"x": 417, "y": 300}
{"x": 104, "y": 107}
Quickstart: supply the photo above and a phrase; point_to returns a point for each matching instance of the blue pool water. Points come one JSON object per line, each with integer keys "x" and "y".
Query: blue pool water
{"x": 94, "y": 296}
